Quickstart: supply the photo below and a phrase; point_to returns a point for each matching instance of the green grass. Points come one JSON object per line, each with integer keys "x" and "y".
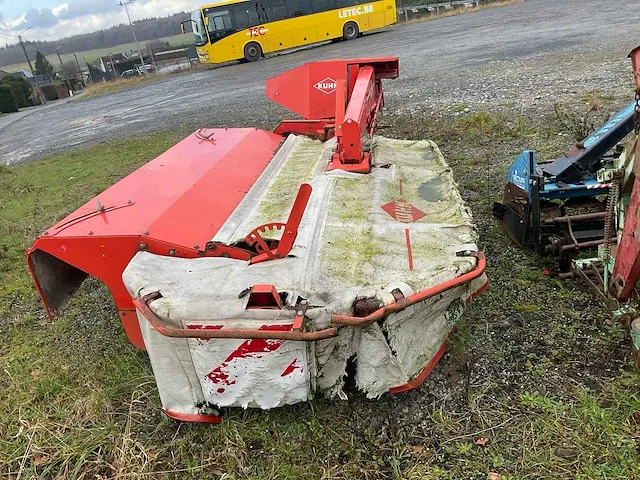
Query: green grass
{"x": 551, "y": 388}
{"x": 92, "y": 55}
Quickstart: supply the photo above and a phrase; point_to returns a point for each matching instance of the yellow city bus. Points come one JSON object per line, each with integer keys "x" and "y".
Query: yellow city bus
{"x": 247, "y": 29}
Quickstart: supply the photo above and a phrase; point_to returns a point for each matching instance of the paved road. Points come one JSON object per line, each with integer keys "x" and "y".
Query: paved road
{"x": 524, "y": 52}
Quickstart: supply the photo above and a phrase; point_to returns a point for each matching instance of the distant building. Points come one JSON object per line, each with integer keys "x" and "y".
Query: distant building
{"x": 26, "y": 75}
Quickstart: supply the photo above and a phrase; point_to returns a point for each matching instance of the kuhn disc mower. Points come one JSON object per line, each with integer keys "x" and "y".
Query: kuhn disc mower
{"x": 601, "y": 177}
{"x": 255, "y": 266}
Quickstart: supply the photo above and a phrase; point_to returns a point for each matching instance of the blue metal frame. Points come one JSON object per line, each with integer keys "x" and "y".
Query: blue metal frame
{"x": 519, "y": 174}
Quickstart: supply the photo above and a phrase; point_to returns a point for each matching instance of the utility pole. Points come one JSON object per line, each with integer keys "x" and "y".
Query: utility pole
{"x": 80, "y": 70}
{"x": 66, "y": 80}
{"x": 113, "y": 69}
{"x": 153, "y": 58}
{"x": 59, "y": 58}
{"x": 124, "y": 4}
{"x": 88, "y": 68}
{"x": 35, "y": 78}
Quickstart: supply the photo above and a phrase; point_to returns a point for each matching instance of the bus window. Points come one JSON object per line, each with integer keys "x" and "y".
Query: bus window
{"x": 295, "y": 8}
{"x": 199, "y": 29}
{"x": 346, "y": 3}
{"x": 323, "y": 5}
{"x": 245, "y": 16}
{"x": 274, "y": 11}
{"x": 219, "y": 23}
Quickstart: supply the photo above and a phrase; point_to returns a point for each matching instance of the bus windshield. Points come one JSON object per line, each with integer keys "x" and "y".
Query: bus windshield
{"x": 198, "y": 29}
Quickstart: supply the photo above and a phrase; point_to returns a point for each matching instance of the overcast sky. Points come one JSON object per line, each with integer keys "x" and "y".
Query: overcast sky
{"x": 53, "y": 19}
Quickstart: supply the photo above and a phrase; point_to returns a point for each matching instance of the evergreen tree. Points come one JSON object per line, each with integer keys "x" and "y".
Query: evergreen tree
{"x": 20, "y": 88}
{"x": 43, "y": 67}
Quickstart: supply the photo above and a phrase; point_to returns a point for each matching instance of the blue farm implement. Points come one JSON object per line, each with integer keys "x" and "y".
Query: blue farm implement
{"x": 587, "y": 200}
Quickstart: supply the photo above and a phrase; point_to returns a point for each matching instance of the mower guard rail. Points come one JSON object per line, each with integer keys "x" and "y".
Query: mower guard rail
{"x": 386, "y": 310}
{"x": 161, "y": 326}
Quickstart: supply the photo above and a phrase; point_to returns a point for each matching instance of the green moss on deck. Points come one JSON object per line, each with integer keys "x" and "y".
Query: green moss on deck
{"x": 298, "y": 169}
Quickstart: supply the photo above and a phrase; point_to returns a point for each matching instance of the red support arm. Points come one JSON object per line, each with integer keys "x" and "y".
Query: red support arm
{"x": 359, "y": 114}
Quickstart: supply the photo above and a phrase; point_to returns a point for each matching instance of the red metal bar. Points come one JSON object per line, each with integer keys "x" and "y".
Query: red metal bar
{"x": 290, "y": 228}
{"x": 415, "y": 298}
{"x": 626, "y": 269}
{"x": 161, "y": 326}
{"x": 424, "y": 373}
{"x": 320, "y": 129}
{"x": 356, "y": 118}
{"x": 341, "y": 101}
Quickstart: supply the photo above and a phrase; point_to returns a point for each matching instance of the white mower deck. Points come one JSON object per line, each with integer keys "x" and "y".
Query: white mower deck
{"x": 383, "y": 236}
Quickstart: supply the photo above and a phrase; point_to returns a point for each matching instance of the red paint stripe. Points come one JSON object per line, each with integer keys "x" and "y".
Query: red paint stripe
{"x": 478, "y": 292}
{"x": 422, "y": 376}
{"x": 253, "y": 347}
{"x": 291, "y": 368}
{"x": 409, "y": 252}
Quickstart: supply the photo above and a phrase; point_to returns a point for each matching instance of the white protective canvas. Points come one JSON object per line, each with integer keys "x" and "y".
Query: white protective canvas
{"x": 361, "y": 236}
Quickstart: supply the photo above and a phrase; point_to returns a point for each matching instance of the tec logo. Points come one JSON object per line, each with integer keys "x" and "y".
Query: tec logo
{"x": 328, "y": 85}
{"x": 254, "y": 32}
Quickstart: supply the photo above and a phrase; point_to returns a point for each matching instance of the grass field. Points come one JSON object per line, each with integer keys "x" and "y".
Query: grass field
{"x": 92, "y": 55}
{"x": 534, "y": 367}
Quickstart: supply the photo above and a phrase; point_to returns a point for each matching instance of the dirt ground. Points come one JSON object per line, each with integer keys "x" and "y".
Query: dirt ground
{"x": 526, "y": 54}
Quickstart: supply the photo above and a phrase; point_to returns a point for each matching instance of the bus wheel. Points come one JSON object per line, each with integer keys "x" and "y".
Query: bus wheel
{"x": 350, "y": 31}
{"x": 252, "y": 52}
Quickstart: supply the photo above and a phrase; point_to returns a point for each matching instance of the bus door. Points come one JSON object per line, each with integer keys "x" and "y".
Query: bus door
{"x": 220, "y": 25}
{"x": 377, "y": 13}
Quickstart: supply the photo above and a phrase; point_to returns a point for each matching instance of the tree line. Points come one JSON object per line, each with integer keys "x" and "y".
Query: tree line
{"x": 147, "y": 29}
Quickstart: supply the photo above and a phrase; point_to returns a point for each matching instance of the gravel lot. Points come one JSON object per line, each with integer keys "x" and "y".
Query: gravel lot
{"x": 528, "y": 53}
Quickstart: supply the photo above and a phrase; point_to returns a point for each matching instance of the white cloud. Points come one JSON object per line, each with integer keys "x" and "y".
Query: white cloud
{"x": 83, "y": 16}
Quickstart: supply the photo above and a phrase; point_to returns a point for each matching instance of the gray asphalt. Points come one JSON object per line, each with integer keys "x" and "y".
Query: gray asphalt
{"x": 495, "y": 54}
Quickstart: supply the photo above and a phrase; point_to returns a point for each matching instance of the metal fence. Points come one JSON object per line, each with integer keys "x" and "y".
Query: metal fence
{"x": 427, "y": 7}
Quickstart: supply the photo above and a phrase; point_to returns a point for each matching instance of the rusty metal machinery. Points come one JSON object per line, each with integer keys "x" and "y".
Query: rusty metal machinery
{"x": 537, "y": 196}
